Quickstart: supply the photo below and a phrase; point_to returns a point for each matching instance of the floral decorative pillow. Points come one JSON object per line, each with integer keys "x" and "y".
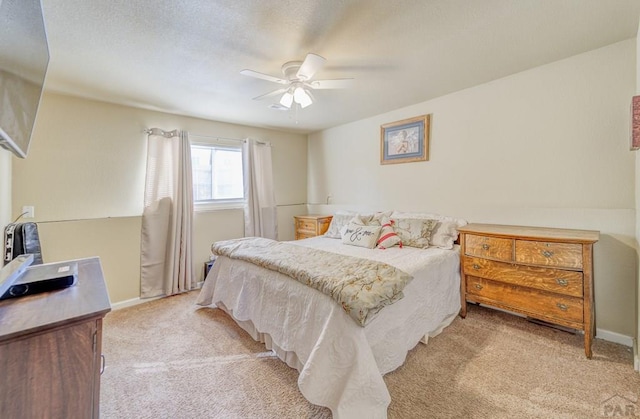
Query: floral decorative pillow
{"x": 414, "y": 232}
{"x": 361, "y": 235}
{"x": 378, "y": 218}
{"x": 388, "y": 237}
{"x": 342, "y": 218}
{"x": 445, "y": 232}
{"x": 358, "y": 219}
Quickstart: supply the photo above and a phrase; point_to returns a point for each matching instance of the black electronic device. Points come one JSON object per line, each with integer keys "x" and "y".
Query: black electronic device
{"x": 13, "y": 271}
{"x": 42, "y": 278}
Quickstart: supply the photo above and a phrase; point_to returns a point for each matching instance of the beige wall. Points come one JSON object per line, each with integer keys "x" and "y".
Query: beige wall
{"x": 85, "y": 176}
{"x": 546, "y": 147}
{"x": 637, "y": 191}
{"x": 116, "y": 240}
{"x": 5, "y": 190}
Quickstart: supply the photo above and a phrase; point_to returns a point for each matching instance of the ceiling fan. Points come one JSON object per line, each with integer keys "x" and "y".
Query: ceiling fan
{"x": 298, "y": 82}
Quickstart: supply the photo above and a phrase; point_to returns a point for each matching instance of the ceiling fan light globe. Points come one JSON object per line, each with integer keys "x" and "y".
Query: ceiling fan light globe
{"x": 301, "y": 97}
{"x": 298, "y": 94}
{"x": 286, "y": 99}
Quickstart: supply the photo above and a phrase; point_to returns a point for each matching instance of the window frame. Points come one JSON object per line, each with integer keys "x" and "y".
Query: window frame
{"x": 219, "y": 204}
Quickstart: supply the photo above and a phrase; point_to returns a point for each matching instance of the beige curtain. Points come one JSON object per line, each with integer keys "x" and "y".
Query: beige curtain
{"x": 167, "y": 218}
{"x": 260, "y": 211}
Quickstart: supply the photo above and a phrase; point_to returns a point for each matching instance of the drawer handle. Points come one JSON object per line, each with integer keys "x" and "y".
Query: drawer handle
{"x": 476, "y": 266}
{"x": 478, "y": 286}
{"x": 562, "y": 282}
{"x": 102, "y": 363}
{"x": 547, "y": 253}
{"x": 486, "y": 246}
{"x": 562, "y": 307}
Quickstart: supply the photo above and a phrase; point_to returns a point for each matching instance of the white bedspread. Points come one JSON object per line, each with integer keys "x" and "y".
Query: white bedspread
{"x": 340, "y": 363}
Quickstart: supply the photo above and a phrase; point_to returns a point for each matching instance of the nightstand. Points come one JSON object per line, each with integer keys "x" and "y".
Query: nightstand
{"x": 311, "y": 225}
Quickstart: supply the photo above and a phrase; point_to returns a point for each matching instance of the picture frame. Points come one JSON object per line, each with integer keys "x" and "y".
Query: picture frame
{"x": 634, "y": 135}
{"x": 405, "y": 141}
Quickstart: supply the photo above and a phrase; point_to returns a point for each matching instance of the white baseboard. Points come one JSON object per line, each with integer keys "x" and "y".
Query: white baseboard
{"x": 600, "y": 333}
{"x": 636, "y": 356}
{"x": 614, "y": 337}
{"x": 132, "y": 302}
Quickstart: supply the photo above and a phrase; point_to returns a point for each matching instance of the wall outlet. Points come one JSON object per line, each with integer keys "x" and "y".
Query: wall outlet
{"x": 28, "y": 211}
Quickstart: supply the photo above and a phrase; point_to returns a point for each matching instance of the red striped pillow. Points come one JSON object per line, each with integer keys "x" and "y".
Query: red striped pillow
{"x": 388, "y": 237}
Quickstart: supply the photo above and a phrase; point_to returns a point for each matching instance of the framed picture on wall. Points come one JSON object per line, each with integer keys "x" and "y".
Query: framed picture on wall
{"x": 405, "y": 141}
{"x": 634, "y": 136}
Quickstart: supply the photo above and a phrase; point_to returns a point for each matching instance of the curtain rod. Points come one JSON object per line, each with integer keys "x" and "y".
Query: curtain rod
{"x": 158, "y": 131}
{"x": 174, "y": 133}
{"x": 230, "y": 139}
{"x": 217, "y": 138}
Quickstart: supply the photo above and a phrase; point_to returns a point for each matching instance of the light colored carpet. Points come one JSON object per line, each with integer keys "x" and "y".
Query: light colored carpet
{"x": 172, "y": 359}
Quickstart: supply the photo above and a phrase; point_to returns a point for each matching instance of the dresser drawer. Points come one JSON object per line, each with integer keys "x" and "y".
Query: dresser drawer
{"x": 566, "y": 255}
{"x": 546, "y": 279}
{"x": 489, "y": 247}
{"x": 306, "y": 224}
{"x": 527, "y": 300}
{"x": 304, "y": 235}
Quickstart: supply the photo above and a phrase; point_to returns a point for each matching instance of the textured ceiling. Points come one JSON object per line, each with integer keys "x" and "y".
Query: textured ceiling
{"x": 185, "y": 56}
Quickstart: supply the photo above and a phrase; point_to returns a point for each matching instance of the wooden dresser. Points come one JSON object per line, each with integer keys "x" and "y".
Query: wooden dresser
{"x": 543, "y": 273}
{"x": 311, "y": 225}
{"x": 50, "y": 349}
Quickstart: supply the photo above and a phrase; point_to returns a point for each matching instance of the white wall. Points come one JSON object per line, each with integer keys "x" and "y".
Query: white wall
{"x": 85, "y": 176}
{"x": 546, "y": 147}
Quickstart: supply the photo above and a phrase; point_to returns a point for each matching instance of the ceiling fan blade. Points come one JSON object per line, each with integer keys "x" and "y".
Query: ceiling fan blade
{"x": 331, "y": 84}
{"x": 310, "y": 65}
{"x": 263, "y": 76}
{"x": 271, "y": 94}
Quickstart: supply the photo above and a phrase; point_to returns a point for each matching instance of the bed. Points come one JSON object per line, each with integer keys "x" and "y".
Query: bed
{"x": 340, "y": 363}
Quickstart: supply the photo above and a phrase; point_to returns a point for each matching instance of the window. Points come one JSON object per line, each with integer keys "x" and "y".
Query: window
{"x": 217, "y": 175}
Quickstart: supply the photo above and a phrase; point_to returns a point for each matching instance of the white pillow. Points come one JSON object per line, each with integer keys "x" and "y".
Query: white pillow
{"x": 445, "y": 232}
{"x": 361, "y": 235}
{"x": 359, "y": 220}
{"x": 414, "y": 232}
